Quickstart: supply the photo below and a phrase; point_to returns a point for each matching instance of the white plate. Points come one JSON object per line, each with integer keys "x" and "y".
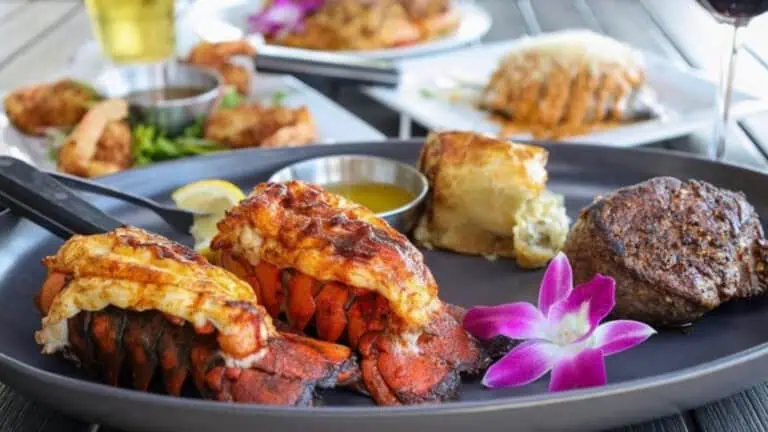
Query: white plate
{"x": 686, "y": 96}
{"x": 218, "y": 20}
{"x": 334, "y": 123}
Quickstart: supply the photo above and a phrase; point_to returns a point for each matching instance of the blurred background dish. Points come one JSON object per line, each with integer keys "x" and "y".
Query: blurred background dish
{"x": 450, "y": 99}
{"x": 186, "y": 94}
{"x": 215, "y": 20}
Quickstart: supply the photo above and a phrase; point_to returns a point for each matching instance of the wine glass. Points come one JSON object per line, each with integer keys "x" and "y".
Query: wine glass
{"x": 737, "y": 14}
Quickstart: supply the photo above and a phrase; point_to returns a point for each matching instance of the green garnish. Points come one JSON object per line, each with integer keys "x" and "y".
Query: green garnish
{"x": 195, "y": 130}
{"x": 231, "y": 99}
{"x": 151, "y": 145}
{"x": 278, "y": 97}
{"x": 426, "y": 93}
{"x": 53, "y": 154}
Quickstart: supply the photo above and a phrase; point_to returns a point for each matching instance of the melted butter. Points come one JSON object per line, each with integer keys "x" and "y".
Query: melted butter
{"x": 378, "y": 197}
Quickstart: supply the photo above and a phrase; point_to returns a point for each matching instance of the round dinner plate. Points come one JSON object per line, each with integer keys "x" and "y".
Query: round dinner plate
{"x": 674, "y": 370}
{"x": 218, "y": 20}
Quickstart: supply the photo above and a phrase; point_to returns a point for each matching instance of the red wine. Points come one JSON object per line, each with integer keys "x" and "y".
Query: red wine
{"x": 735, "y": 9}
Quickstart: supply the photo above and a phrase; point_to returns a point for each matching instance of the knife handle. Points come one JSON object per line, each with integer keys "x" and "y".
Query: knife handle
{"x": 33, "y": 194}
{"x": 335, "y": 67}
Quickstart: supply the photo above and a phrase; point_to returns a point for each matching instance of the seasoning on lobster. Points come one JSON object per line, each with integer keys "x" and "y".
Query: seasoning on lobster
{"x": 341, "y": 273}
{"x": 132, "y": 303}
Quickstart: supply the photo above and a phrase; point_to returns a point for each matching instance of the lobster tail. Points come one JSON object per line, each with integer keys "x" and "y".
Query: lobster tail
{"x": 337, "y": 271}
{"x": 150, "y": 310}
{"x": 112, "y": 341}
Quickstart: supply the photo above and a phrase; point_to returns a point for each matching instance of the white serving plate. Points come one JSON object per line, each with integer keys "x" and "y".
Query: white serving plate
{"x": 334, "y": 123}
{"x": 219, "y": 20}
{"x": 685, "y": 94}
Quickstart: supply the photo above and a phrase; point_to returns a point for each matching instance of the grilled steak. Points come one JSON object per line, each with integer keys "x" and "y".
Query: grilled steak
{"x": 676, "y": 249}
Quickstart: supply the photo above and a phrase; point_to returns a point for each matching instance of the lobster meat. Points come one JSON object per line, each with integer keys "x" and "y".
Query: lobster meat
{"x": 130, "y": 301}
{"x": 336, "y": 270}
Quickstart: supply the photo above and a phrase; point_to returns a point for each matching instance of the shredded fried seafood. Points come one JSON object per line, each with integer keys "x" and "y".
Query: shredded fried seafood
{"x": 569, "y": 83}
{"x": 253, "y": 125}
{"x": 357, "y": 25}
{"x": 218, "y": 56}
{"x": 337, "y": 270}
{"x": 100, "y": 144}
{"x": 132, "y": 301}
{"x": 56, "y": 105}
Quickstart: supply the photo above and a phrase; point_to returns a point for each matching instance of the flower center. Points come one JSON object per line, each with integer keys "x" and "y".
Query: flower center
{"x": 571, "y": 327}
{"x": 287, "y": 14}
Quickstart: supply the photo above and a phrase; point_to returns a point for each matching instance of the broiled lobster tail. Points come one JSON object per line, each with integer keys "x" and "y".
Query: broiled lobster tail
{"x": 132, "y": 307}
{"x": 113, "y": 341}
{"x": 338, "y": 271}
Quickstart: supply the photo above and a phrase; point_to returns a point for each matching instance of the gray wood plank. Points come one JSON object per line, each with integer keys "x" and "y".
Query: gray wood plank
{"x": 701, "y": 41}
{"x": 743, "y": 412}
{"x": 553, "y": 15}
{"x": 508, "y": 22}
{"x": 756, "y": 36}
{"x": 697, "y": 37}
{"x": 50, "y": 54}
{"x": 667, "y": 424}
{"x": 34, "y": 20}
{"x": 8, "y": 8}
{"x": 628, "y": 21}
{"x": 19, "y": 414}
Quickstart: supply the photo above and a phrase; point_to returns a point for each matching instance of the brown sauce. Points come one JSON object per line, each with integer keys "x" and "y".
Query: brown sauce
{"x": 164, "y": 94}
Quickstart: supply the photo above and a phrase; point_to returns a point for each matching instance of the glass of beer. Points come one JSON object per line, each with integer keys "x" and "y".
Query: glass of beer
{"x": 134, "y": 31}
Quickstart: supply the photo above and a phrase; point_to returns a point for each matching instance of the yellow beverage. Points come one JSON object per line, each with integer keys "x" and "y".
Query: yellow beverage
{"x": 134, "y": 31}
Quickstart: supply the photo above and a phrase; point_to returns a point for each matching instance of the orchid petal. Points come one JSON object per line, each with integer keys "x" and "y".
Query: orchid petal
{"x": 523, "y": 365}
{"x": 616, "y": 336}
{"x": 588, "y": 303}
{"x": 515, "y": 320}
{"x": 556, "y": 284}
{"x": 582, "y": 370}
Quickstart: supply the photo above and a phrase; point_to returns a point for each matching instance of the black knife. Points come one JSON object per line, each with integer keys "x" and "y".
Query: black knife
{"x": 340, "y": 68}
{"x": 35, "y": 195}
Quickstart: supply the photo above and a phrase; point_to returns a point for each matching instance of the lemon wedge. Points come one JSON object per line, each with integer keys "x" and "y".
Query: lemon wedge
{"x": 213, "y": 197}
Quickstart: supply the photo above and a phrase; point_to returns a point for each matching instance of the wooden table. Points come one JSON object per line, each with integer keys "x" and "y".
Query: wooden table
{"x": 40, "y": 37}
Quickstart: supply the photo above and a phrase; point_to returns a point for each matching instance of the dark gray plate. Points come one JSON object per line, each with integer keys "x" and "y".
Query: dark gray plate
{"x": 673, "y": 371}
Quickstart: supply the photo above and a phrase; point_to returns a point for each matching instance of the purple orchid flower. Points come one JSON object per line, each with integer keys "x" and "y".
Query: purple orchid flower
{"x": 282, "y": 16}
{"x": 563, "y": 334}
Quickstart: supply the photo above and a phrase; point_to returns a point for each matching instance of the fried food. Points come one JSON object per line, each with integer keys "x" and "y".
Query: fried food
{"x": 132, "y": 300}
{"x": 218, "y": 56}
{"x": 488, "y": 197}
{"x": 358, "y": 25}
{"x": 253, "y": 125}
{"x": 100, "y": 143}
{"x": 56, "y": 105}
{"x": 677, "y": 249}
{"x": 334, "y": 268}
{"x": 569, "y": 82}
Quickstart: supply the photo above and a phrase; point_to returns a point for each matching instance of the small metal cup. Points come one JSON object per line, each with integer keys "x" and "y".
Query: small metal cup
{"x": 173, "y": 115}
{"x": 352, "y": 169}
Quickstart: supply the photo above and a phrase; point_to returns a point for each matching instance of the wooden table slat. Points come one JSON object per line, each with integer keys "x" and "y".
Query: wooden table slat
{"x": 50, "y": 55}
{"x": 568, "y": 16}
{"x": 31, "y": 23}
{"x": 666, "y": 424}
{"x": 628, "y": 21}
{"x": 745, "y": 411}
{"x": 701, "y": 40}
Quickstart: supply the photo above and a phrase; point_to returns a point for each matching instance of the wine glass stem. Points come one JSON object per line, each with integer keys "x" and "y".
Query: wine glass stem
{"x": 725, "y": 93}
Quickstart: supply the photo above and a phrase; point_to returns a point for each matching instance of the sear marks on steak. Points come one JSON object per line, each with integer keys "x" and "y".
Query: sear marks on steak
{"x": 676, "y": 249}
